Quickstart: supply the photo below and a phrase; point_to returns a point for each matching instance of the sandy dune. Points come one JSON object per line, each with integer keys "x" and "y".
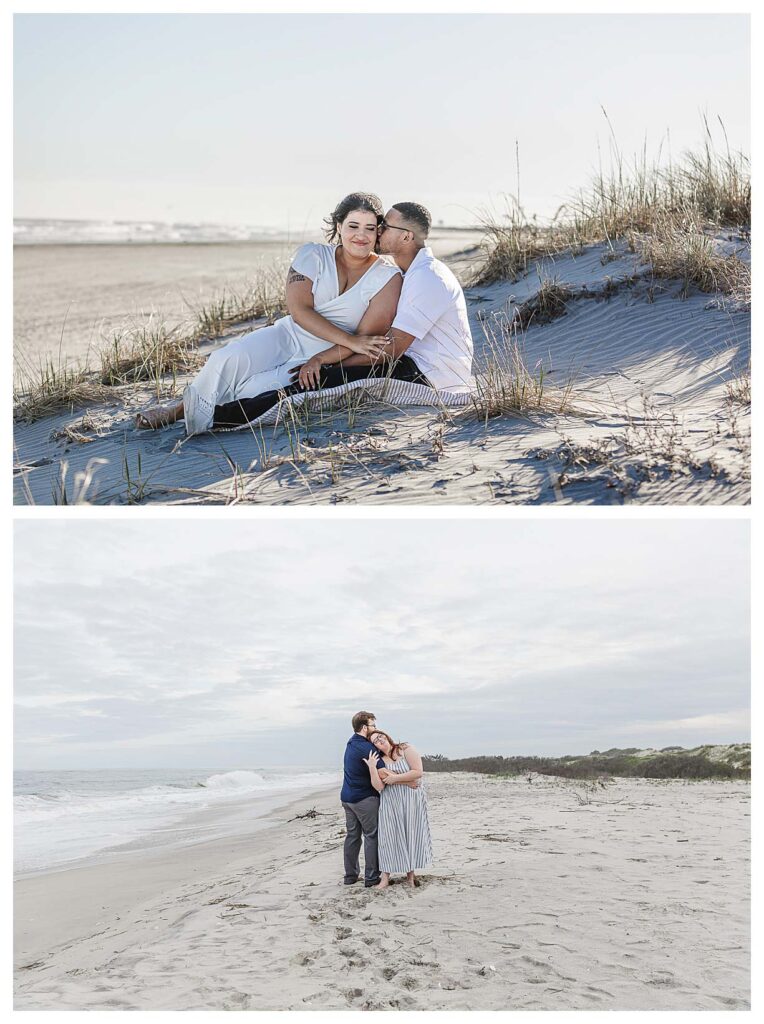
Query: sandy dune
{"x": 544, "y": 895}
{"x": 652, "y": 419}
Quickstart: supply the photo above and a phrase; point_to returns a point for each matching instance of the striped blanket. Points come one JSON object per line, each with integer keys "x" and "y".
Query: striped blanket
{"x": 381, "y": 389}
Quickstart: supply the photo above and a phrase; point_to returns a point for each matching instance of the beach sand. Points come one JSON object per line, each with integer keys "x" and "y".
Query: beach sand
{"x": 656, "y": 414}
{"x": 545, "y": 894}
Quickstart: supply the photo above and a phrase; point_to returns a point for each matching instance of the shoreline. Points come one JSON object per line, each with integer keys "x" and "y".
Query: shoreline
{"x": 542, "y": 896}
{"x": 101, "y": 877}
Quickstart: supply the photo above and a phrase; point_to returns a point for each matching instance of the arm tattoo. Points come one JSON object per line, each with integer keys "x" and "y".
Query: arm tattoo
{"x": 293, "y": 276}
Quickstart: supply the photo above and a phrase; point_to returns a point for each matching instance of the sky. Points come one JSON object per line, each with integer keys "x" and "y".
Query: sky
{"x": 186, "y": 644}
{"x": 269, "y": 120}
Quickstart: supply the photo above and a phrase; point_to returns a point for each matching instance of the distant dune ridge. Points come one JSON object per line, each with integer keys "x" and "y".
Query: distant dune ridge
{"x": 727, "y": 761}
{"x": 612, "y": 358}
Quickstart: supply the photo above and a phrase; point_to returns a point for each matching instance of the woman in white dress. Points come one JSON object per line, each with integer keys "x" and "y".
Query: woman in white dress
{"x": 404, "y": 841}
{"x": 339, "y": 293}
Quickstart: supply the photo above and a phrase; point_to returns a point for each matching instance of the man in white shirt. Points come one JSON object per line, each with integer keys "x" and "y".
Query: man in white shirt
{"x": 431, "y": 325}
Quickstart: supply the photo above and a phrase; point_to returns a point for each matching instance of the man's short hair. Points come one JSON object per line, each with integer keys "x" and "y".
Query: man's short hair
{"x": 362, "y": 718}
{"x": 416, "y": 214}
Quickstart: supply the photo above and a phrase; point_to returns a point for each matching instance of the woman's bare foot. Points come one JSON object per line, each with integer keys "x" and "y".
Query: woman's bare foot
{"x": 159, "y": 416}
{"x": 384, "y": 882}
{"x": 411, "y": 879}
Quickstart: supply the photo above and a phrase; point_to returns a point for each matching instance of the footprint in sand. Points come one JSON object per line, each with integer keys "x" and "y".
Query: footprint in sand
{"x": 353, "y": 956}
{"x": 305, "y": 957}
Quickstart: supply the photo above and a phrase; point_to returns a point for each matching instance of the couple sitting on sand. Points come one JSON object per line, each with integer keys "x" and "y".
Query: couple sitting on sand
{"x": 385, "y": 805}
{"x": 353, "y": 314}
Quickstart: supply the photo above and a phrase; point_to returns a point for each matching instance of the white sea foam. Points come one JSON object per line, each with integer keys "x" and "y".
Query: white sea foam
{"x": 119, "y": 232}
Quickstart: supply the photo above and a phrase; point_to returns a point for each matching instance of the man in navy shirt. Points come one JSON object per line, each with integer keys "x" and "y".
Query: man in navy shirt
{"x": 361, "y": 802}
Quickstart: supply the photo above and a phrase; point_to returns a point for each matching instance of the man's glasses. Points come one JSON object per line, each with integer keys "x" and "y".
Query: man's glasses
{"x": 384, "y": 226}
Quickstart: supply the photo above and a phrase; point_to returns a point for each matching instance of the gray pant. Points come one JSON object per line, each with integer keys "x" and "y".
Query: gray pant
{"x": 361, "y": 819}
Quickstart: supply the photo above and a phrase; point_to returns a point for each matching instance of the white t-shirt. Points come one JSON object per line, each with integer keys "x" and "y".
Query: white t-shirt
{"x": 432, "y": 307}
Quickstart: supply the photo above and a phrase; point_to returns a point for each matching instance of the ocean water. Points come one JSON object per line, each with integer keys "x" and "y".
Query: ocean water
{"x": 63, "y": 817}
{"x": 117, "y": 232}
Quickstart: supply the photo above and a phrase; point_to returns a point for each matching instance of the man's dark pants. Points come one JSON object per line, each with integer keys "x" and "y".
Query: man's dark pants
{"x": 235, "y": 414}
{"x": 361, "y": 819}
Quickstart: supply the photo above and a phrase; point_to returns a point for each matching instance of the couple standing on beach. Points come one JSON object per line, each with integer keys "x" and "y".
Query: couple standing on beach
{"x": 385, "y": 807}
{"x": 371, "y": 302}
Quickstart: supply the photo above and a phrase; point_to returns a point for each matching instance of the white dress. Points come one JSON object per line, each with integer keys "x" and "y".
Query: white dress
{"x": 404, "y": 828}
{"x": 263, "y": 359}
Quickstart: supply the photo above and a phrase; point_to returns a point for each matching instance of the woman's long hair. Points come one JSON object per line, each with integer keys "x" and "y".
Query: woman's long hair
{"x": 395, "y": 748}
{"x": 355, "y": 201}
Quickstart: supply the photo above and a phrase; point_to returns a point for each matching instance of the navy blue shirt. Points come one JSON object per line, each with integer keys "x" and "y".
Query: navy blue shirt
{"x": 356, "y": 782}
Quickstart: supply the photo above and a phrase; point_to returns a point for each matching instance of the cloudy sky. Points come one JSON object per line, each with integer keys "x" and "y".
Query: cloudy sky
{"x": 268, "y": 119}
{"x": 204, "y": 643}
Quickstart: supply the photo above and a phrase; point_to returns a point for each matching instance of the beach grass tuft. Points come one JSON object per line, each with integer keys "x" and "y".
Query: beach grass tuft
{"x": 689, "y": 255}
{"x": 708, "y": 188}
{"x": 263, "y": 298}
{"x": 506, "y": 384}
{"x": 147, "y": 352}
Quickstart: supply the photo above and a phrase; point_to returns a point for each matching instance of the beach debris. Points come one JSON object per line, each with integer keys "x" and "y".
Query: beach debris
{"x": 487, "y": 970}
{"x": 312, "y": 813}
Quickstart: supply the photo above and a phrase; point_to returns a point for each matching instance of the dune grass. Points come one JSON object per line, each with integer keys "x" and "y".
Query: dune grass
{"x": 706, "y": 762}
{"x": 263, "y": 298}
{"x": 706, "y": 189}
{"x": 689, "y": 255}
{"x": 506, "y": 384}
{"x": 739, "y": 388}
{"x": 146, "y": 351}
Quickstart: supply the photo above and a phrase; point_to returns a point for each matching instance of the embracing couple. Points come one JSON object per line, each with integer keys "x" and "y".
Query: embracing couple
{"x": 370, "y": 302}
{"x": 385, "y": 806}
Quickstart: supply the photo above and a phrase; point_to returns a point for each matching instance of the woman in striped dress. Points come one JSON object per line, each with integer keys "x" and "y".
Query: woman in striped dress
{"x": 405, "y": 845}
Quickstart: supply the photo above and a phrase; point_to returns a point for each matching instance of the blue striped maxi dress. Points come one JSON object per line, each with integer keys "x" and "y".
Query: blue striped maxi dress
{"x": 404, "y": 830}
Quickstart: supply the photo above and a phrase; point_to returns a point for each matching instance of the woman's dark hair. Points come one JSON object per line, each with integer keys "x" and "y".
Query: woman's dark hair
{"x": 355, "y": 201}
{"x": 395, "y": 748}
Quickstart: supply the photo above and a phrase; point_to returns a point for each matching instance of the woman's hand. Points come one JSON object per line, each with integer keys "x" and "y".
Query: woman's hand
{"x": 309, "y": 374}
{"x": 367, "y": 345}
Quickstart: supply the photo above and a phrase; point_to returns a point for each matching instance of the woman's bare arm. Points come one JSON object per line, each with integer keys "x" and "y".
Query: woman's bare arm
{"x": 416, "y": 772}
{"x": 375, "y": 323}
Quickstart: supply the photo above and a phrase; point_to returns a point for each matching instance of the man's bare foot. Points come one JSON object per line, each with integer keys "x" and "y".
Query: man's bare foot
{"x": 159, "y": 416}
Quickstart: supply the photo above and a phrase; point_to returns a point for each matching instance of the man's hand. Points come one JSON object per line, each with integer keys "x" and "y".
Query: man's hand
{"x": 309, "y": 374}
{"x": 368, "y": 345}
{"x": 383, "y": 773}
{"x": 414, "y": 784}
